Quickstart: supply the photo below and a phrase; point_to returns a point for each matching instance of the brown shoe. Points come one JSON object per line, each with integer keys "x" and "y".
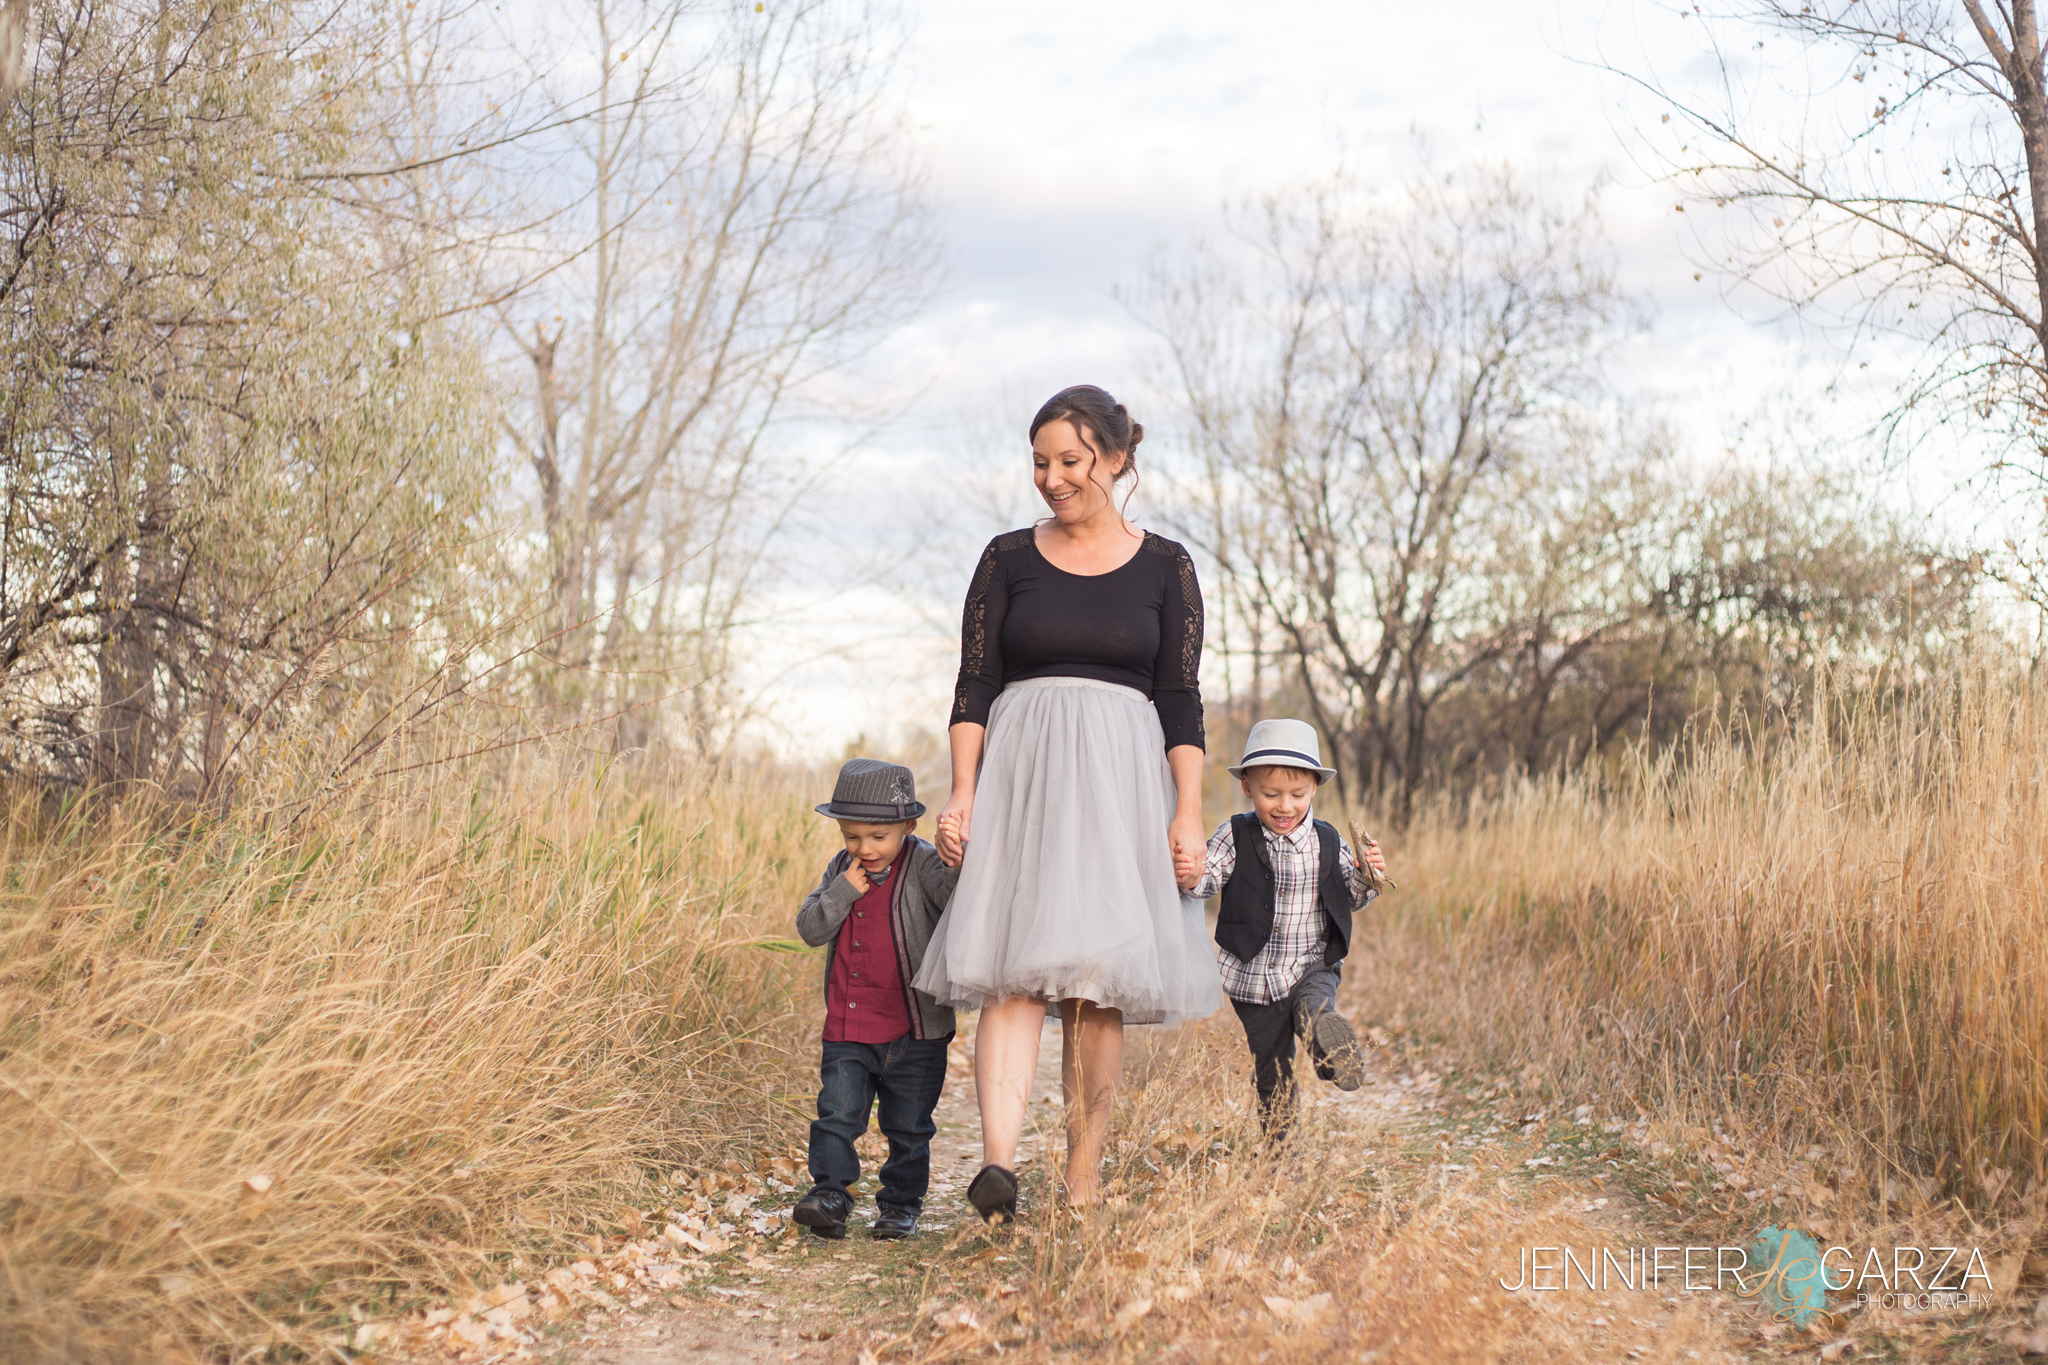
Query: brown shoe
{"x": 1333, "y": 1044}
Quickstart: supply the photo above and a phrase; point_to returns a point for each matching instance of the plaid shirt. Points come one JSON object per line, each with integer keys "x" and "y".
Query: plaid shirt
{"x": 1299, "y": 929}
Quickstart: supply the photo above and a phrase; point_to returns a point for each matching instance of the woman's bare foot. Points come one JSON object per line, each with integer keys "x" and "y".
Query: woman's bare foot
{"x": 1083, "y": 1191}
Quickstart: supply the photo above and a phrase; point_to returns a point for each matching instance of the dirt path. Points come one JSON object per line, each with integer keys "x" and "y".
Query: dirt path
{"x": 805, "y": 1299}
{"x": 1461, "y": 1177}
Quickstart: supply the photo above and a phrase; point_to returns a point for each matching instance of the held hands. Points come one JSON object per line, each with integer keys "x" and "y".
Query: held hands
{"x": 953, "y": 823}
{"x": 1190, "y": 849}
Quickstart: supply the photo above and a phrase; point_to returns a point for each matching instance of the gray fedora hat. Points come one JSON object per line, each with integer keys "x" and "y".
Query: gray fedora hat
{"x": 1285, "y": 744}
{"x": 870, "y": 789}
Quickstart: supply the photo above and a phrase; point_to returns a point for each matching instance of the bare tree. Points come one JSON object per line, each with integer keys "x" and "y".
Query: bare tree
{"x": 1367, "y": 390}
{"x": 1895, "y": 174}
{"x": 749, "y": 226}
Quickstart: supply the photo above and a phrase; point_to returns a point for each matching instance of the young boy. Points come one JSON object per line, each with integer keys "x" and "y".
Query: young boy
{"x": 1289, "y": 885}
{"x": 874, "y": 911}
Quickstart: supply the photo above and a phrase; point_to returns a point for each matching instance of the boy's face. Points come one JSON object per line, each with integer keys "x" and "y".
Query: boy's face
{"x": 1281, "y": 796}
{"x": 874, "y": 847}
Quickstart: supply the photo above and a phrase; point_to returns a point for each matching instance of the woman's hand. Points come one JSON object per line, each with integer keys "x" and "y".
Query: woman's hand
{"x": 964, "y": 737}
{"x": 1184, "y": 839}
{"x": 953, "y": 828}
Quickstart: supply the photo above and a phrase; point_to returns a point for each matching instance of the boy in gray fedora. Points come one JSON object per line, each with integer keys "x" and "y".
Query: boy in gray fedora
{"x": 1289, "y": 884}
{"x": 873, "y": 912}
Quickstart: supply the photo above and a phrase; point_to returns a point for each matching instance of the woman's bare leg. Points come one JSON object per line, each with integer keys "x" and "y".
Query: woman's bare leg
{"x": 1091, "y": 1062}
{"x": 1005, "y": 1060}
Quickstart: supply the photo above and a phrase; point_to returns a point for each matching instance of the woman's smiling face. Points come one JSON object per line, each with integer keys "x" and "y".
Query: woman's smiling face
{"x": 1071, "y": 478}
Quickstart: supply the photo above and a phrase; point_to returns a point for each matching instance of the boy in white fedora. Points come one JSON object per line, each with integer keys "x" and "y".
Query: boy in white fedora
{"x": 1289, "y": 884}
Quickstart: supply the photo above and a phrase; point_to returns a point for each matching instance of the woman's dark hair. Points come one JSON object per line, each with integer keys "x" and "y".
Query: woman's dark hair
{"x": 1102, "y": 423}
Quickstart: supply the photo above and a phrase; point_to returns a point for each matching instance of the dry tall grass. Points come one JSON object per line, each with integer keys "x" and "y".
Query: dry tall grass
{"x": 249, "y": 1080}
{"x": 1825, "y": 933}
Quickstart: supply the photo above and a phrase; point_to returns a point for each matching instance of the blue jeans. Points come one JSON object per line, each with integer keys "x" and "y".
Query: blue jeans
{"x": 906, "y": 1076}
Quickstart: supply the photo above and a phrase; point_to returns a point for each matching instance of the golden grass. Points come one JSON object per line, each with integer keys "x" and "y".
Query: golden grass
{"x": 450, "y": 1034}
{"x": 1349, "y": 1243}
{"x": 1829, "y": 933}
{"x": 458, "y": 1033}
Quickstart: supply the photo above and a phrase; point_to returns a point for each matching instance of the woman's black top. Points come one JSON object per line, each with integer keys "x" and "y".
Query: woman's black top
{"x": 1139, "y": 625}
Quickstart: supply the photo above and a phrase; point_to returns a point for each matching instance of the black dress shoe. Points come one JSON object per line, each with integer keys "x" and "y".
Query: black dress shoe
{"x": 1334, "y": 1046}
{"x": 893, "y": 1221}
{"x": 824, "y": 1211}
{"x": 994, "y": 1195}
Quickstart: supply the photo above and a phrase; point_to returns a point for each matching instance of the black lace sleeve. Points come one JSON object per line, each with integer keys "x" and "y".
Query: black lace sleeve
{"x": 1177, "y": 672}
{"x": 981, "y": 649}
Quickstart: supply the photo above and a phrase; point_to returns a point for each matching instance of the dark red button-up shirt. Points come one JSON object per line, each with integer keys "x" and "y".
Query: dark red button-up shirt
{"x": 864, "y": 1000}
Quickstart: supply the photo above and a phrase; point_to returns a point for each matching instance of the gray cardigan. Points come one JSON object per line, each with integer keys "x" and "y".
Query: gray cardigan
{"x": 923, "y": 886}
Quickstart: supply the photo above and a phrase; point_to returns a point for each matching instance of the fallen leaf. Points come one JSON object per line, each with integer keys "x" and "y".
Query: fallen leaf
{"x": 1835, "y": 1350}
{"x": 504, "y": 1294}
{"x": 168, "y": 1352}
{"x": 959, "y": 1315}
{"x": 1129, "y": 1314}
{"x": 469, "y": 1332}
{"x": 1280, "y": 1305}
{"x": 1314, "y": 1308}
{"x": 2005, "y": 1275}
{"x": 175, "y": 1286}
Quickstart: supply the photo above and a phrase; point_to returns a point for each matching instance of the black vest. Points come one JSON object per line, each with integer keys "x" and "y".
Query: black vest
{"x": 1244, "y": 921}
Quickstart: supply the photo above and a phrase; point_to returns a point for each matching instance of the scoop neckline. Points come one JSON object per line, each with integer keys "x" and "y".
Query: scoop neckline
{"x": 1045, "y": 559}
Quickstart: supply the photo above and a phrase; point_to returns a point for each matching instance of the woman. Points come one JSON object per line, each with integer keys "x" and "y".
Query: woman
{"x": 1077, "y": 770}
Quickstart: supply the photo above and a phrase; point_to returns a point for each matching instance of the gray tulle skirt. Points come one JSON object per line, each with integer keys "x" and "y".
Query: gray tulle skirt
{"x": 1067, "y": 891}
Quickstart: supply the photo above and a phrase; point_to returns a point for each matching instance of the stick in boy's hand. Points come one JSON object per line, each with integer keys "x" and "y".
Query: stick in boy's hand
{"x": 1372, "y": 864}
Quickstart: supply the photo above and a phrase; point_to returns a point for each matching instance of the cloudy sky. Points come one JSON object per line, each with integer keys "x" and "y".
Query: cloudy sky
{"x": 1071, "y": 140}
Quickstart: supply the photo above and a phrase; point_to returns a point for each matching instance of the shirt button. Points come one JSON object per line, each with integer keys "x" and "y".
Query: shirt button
{"x": 853, "y": 1004}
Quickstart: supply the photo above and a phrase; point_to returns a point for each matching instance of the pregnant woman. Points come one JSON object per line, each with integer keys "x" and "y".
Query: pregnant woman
{"x": 1077, "y": 769}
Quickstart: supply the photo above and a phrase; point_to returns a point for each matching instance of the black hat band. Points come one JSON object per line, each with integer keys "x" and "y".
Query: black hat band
{"x": 1301, "y": 760}
{"x": 861, "y": 810}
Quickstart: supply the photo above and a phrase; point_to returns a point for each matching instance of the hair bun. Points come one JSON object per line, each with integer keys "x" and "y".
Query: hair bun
{"x": 1137, "y": 435}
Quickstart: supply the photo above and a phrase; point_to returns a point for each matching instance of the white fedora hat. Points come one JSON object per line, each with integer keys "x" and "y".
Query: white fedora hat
{"x": 1286, "y": 744}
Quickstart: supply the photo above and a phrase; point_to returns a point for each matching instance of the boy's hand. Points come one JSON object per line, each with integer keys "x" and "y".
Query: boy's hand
{"x": 857, "y": 878}
{"x": 1187, "y": 870}
{"x": 953, "y": 823}
{"x": 1372, "y": 864}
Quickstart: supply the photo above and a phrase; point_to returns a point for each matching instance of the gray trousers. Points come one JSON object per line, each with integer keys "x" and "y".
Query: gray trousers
{"x": 1269, "y": 1031}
